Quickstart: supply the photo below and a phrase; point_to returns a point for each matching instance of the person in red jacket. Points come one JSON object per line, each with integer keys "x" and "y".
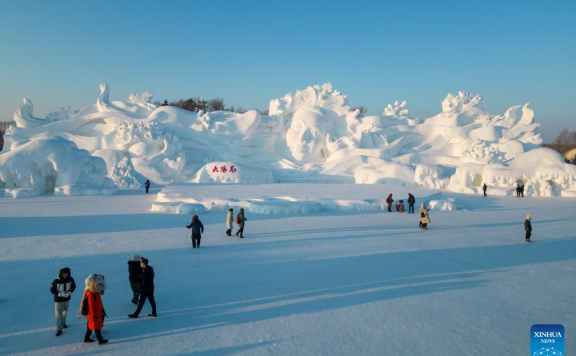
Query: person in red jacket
{"x": 95, "y": 287}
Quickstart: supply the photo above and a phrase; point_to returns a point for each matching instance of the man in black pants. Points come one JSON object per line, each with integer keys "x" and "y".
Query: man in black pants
{"x": 147, "y": 289}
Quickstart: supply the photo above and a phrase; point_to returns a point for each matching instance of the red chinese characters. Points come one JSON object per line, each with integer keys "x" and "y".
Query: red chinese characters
{"x": 223, "y": 169}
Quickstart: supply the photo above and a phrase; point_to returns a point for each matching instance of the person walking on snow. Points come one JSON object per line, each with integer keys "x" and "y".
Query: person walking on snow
{"x": 95, "y": 287}
{"x": 197, "y": 231}
{"x": 411, "y": 202}
{"x": 389, "y": 200}
{"x": 528, "y": 228}
{"x": 229, "y": 221}
{"x": 135, "y": 277}
{"x": 485, "y": 188}
{"x": 241, "y": 221}
{"x": 424, "y": 217}
{"x": 62, "y": 288}
{"x": 518, "y": 191}
{"x": 147, "y": 185}
{"x": 147, "y": 289}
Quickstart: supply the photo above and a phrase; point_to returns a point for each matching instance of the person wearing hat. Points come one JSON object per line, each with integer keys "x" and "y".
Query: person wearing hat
{"x": 197, "y": 230}
{"x": 62, "y": 288}
{"x": 389, "y": 201}
{"x": 135, "y": 277}
{"x": 241, "y": 221}
{"x": 229, "y": 221}
{"x": 424, "y": 217}
{"x": 95, "y": 287}
{"x": 528, "y": 227}
{"x": 147, "y": 289}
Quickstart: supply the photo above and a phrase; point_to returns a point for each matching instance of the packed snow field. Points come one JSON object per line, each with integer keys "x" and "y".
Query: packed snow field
{"x": 332, "y": 282}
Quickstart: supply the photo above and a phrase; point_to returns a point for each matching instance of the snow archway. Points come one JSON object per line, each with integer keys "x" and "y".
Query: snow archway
{"x": 478, "y": 180}
{"x": 50, "y": 183}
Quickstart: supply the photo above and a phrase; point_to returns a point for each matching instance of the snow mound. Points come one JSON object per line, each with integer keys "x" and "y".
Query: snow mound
{"x": 52, "y": 164}
{"x": 444, "y": 204}
{"x": 190, "y": 209}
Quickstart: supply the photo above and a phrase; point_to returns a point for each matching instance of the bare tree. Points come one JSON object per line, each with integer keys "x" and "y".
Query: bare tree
{"x": 216, "y": 104}
{"x": 565, "y": 141}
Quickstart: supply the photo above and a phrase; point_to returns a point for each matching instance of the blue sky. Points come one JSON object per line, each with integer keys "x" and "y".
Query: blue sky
{"x": 248, "y": 52}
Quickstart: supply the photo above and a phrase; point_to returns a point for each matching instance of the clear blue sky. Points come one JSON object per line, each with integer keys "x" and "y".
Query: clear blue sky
{"x": 248, "y": 52}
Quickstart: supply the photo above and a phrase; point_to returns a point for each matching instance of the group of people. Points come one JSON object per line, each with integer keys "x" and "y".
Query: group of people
{"x": 141, "y": 277}
{"x": 198, "y": 228}
{"x": 400, "y": 204}
{"x": 520, "y": 190}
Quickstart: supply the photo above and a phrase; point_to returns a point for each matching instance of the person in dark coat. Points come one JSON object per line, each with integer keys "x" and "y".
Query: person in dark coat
{"x": 528, "y": 227}
{"x": 135, "y": 277}
{"x": 485, "y": 188}
{"x": 197, "y": 231}
{"x": 411, "y": 202}
{"x": 389, "y": 200}
{"x": 147, "y": 289}
{"x": 522, "y": 190}
{"x": 62, "y": 288}
{"x": 241, "y": 221}
{"x": 147, "y": 185}
{"x": 518, "y": 191}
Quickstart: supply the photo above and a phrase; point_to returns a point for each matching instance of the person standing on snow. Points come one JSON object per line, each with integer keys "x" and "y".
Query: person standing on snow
{"x": 229, "y": 221}
{"x": 411, "y": 202}
{"x": 528, "y": 227}
{"x": 95, "y": 287}
{"x": 485, "y": 188}
{"x": 147, "y": 185}
{"x": 135, "y": 277}
{"x": 241, "y": 221}
{"x": 518, "y": 191}
{"x": 522, "y": 190}
{"x": 62, "y": 288}
{"x": 197, "y": 231}
{"x": 389, "y": 200}
{"x": 424, "y": 217}
{"x": 147, "y": 290}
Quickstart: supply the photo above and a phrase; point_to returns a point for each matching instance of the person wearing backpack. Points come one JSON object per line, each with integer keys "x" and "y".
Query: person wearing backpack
{"x": 411, "y": 202}
{"x": 241, "y": 221}
{"x": 229, "y": 221}
{"x": 197, "y": 231}
{"x": 62, "y": 288}
{"x": 389, "y": 200}
{"x": 92, "y": 307}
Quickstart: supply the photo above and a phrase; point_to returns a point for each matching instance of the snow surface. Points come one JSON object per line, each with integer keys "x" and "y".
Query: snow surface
{"x": 309, "y": 135}
{"x": 326, "y": 283}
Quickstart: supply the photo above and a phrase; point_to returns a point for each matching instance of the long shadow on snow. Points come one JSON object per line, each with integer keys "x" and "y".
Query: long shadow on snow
{"x": 204, "y": 291}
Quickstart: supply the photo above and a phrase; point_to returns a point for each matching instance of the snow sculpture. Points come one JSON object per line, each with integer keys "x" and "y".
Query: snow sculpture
{"x": 52, "y": 164}
{"x": 309, "y": 135}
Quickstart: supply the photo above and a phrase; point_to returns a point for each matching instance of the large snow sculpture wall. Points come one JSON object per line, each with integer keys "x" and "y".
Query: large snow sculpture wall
{"x": 309, "y": 135}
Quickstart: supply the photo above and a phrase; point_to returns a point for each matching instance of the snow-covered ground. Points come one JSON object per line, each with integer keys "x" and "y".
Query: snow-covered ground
{"x": 327, "y": 283}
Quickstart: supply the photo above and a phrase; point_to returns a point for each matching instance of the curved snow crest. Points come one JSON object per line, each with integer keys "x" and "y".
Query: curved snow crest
{"x": 311, "y": 134}
{"x": 52, "y": 164}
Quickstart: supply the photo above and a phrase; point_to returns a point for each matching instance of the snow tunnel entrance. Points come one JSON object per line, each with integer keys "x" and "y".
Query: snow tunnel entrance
{"x": 477, "y": 181}
{"x": 50, "y": 184}
{"x": 520, "y": 182}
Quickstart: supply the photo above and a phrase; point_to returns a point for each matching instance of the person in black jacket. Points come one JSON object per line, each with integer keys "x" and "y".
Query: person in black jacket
{"x": 147, "y": 289}
{"x": 147, "y": 185}
{"x": 135, "y": 277}
{"x": 528, "y": 228}
{"x": 485, "y": 188}
{"x": 197, "y": 231}
{"x": 62, "y": 288}
{"x": 411, "y": 202}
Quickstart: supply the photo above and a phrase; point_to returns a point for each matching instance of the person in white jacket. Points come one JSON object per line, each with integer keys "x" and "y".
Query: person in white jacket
{"x": 229, "y": 221}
